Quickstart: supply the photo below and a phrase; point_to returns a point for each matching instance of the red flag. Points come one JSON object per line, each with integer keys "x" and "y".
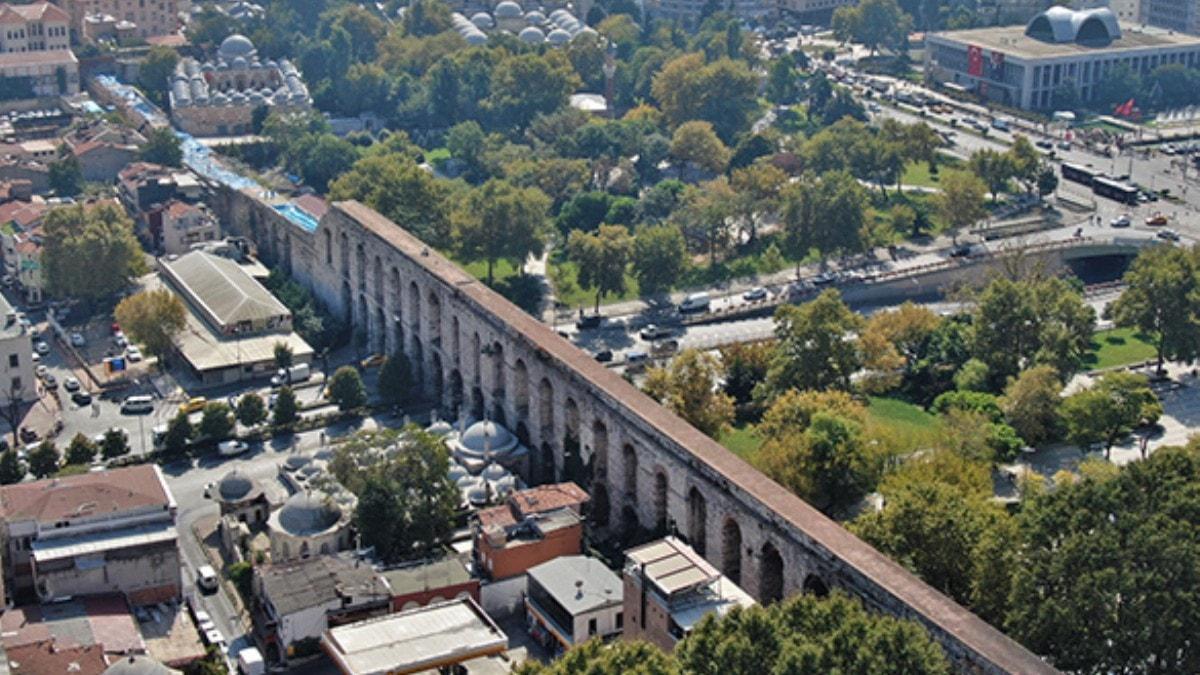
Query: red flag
{"x": 974, "y": 60}
{"x": 1125, "y": 110}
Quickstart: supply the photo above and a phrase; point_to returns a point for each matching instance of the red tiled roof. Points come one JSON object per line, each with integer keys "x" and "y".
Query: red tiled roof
{"x": 53, "y": 57}
{"x": 548, "y": 498}
{"x": 178, "y": 209}
{"x": 171, "y": 40}
{"x": 39, "y": 11}
{"x": 47, "y": 656}
{"x": 22, "y": 214}
{"x": 313, "y": 205}
{"x": 93, "y": 494}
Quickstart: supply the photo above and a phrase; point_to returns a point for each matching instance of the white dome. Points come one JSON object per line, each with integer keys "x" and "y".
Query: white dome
{"x": 558, "y": 36}
{"x": 505, "y": 486}
{"x": 236, "y": 45}
{"x": 494, "y": 472}
{"x": 508, "y": 10}
{"x": 482, "y": 20}
{"x": 535, "y": 18}
{"x": 306, "y": 514}
{"x": 486, "y": 436}
{"x": 475, "y": 39}
{"x": 532, "y": 35}
{"x": 467, "y": 481}
{"x": 477, "y": 494}
{"x": 440, "y": 428}
{"x": 456, "y": 473}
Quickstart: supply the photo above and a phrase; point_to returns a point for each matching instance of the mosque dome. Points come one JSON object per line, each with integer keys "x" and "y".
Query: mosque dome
{"x": 558, "y": 36}
{"x": 306, "y": 514}
{"x": 236, "y": 45}
{"x": 482, "y": 20}
{"x": 532, "y": 35}
{"x": 235, "y": 486}
{"x": 508, "y": 10}
{"x": 486, "y": 436}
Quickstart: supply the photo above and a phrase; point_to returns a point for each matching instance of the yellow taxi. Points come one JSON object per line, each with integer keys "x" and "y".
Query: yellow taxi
{"x": 194, "y": 404}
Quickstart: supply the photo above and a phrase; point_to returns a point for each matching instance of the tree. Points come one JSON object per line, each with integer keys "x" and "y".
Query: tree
{"x": 1031, "y": 404}
{"x": 406, "y": 504}
{"x": 162, "y": 147}
{"x": 696, "y": 143}
{"x": 816, "y": 348}
{"x": 597, "y": 657}
{"x": 826, "y": 464}
{"x": 251, "y": 410}
{"x": 1047, "y": 180}
{"x": 216, "y": 422}
{"x": 874, "y": 23}
{"x": 499, "y": 221}
{"x": 745, "y": 365}
{"x": 283, "y": 355}
{"x": 81, "y": 450}
{"x": 286, "y": 409}
{"x": 12, "y": 470}
{"x": 583, "y": 212}
{"x": 688, "y": 386}
{"x": 1118, "y": 85}
{"x": 758, "y": 187}
{"x": 809, "y": 635}
{"x": 659, "y": 256}
{"x": 346, "y": 389}
{"x": 993, "y": 168}
{"x": 1110, "y": 409}
{"x": 826, "y": 213}
{"x": 155, "y": 71}
{"x": 43, "y": 460}
{"x": 466, "y": 143}
{"x": 1101, "y": 554}
{"x": 782, "y": 83}
{"x": 526, "y": 85}
{"x": 179, "y": 434}
{"x": 1024, "y": 160}
{"x": 721, "y": 92}
{"x": 102, "y": 235}
{"x": 153, "y": 319}
{"x": 601, "y": 258}
{"x": 115, "y": 443}
{"x": 66, "y": 175}
{"x": 1161, "y": 301}
{"x": 325, "y": 158}
{"x": 426, "y": 17}
{"x": 960, "y": 203}
{"x": 396, "y": 382}
{"x": 395, "y": 186}
{"x": 704, "y": 216}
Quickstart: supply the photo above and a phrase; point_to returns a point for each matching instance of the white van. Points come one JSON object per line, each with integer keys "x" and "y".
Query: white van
{"x": 133, "y": 405}
{"x": 297, "y": 373}
{"x": 206, "y": 578}
{"x": 696, "y": 302}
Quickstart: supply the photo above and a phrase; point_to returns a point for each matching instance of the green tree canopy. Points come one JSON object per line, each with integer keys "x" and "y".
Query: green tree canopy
{"x": 1110, "y": 409}
{"x": 720, "y": 92}
{"x": 162, "y": 147}
{"x": 1162, "y": 300}
{"x": 153, "y": 319}
{"x": 251, "y": 410}
{"x": 659, "y": 257}
{"x": 43, "y": 461}
{"x": 816, "y": 346}
{"x": 216, "y": 423}
{"x": 81, "y": 450}
{"x": 286, "y": 410}
{"x": 875, "y": 23}
{"x": 406, "y": 194}
{"x": 346, "y": 389}
{"x": 396, "y": 382}
{"x": 688, "y": 386}
{"x": 66, "y": 175}
{"x": 102, "y": 235}
{"x": 602, "y": 258}
{"x": 499, "y": 221}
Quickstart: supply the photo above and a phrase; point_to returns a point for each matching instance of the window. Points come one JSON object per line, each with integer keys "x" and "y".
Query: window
{"x": 620, "y": 620}
{"x": 16, "y": 384}
{"x": 14, "y": 360}
{"x": 591, "y": 627}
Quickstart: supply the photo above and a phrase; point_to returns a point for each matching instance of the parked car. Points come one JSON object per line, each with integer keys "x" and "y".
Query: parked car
{"x": 297, "y": 373}
{"x": 41, "y": 347}
{"x": 133, "y": 405}
{"x": 194, "y": 404}
{"x": 206, "y": 578}
{"x": 635, "y": 361}
{"x": 1121, "y": 221}
{"x": 231, "y": 448}
{"x": 696, "y": 302}
{"x": 71, "y": 384}
{"x": 1157, "y": 219}
{"x": 77, "y": 340}
{"x": 120, "y": 340}
{"x": 654, "y": 332}
{"x": 133, "y": 354}
{"x": 755, "y": 294}
{"x": 82, "y": 397}
{"x": 589, "y": 321}
{"x": 604, "y": 355}
{"x": 50, "y": 381}
{"x": 1168, "y": 234}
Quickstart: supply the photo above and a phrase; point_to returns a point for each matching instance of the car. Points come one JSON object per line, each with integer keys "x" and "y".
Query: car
{"x": 133, "y": 354}
{"x": 82, "y": 397}
{"x": 77, "y": 340}
{"x": 636, "y": 361}
{"x": 41, "y": 347}
{"x": 194, "y": 404}
{"x": 654, "y": 332}
{"x": 589, "y": 321}
{"x": 203, "y": 621}
{"x": 1121, "y": 221}
{"x": 120, "y": 340}
{"x": 36, "y": 357}
{"x": 1168, "y": 234}
{"x": 231, "y": 448}
{"x": 824, "y": 279}
{"x": 50, "y": 381}
{"x": 71, "y": 384}
{"x": 40, "y": 371}
{"x": 1157, "y": 219}
{"x": 1044, "y": 144}
{"x": 755, "y": 294}
{"x": 604, "y": 355}
{"x": 206, "y": 578}
{"x": 1064, "y": 145}
{"x": 115, "y": 327}
{"x": 373, "y": 361}
{"x": 960, "y": 251}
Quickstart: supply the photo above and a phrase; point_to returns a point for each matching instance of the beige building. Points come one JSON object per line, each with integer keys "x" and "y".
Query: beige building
{"x": 16, "y": 358}
{"x": 49, "y": 73}
{"x": 37, "y": 27}
{"x": 184, "y": 225}
{"x": 141, "y": 18}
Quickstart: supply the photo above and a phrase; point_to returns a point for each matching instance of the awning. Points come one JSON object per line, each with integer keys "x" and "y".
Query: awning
{"x": 58, "y": 548}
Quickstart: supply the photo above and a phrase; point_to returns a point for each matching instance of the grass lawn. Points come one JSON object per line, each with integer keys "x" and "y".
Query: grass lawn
{"x": 478, "y": 269}
{"x": 437, "y": 155}
{"x": 1119, "y": 347}
{"x": 742, "y": 441}
{"x": 917, "y": 173}
{"x": 563, "y": 275}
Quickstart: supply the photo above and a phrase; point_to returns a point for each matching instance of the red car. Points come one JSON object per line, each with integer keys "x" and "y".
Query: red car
{"x": 115, "y": 328}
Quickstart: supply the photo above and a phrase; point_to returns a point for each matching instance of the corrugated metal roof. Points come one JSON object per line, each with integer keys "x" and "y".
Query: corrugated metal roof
{"x": 99, "y": 542}
{"x": 223, "y": 290}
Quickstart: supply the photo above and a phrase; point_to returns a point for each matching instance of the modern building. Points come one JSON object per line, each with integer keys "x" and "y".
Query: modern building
{"x": 436, "y": 638}
{"x": 49, "y": 73}
{"x": 573, "y": 599}
{"x": 297, "y": 602}
{"x": 1176, "y": 15}
{"x": 310, "y": 524}
{"x": 180, "y": 225}
{"x": 16, "y": 359}
{"x": 669, "y": 588}
{"x": 140, "y": 18}
{"x": 430, "y": 582}
{"x": 142, "y": 186}
{"x": 533, "y": 526}
{"x": 234, "y": 322}
{"x": 220, "y": 97}
{"x": 1022, "y": 66}
{"x": 95, "y": 533}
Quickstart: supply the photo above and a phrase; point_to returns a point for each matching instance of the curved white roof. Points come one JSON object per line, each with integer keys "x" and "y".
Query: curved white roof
{"x": 508, "y": 10}
{"x": 1061, "y": 25}
{"x": 532, "y": 35}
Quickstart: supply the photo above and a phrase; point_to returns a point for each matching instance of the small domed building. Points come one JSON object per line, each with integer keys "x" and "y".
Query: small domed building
{"x": 485, "y": 442}
{"x": 308, "y": 524}
{"x": 219, "y": 97}
{"x": 241, "y": 497}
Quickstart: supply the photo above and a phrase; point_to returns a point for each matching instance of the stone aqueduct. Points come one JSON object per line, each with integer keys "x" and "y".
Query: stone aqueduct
{"x": 644, "y": 466}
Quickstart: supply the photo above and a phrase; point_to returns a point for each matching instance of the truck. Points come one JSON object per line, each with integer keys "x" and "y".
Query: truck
{"x": 297, "y": 373}
{"x": 250, "y": 662}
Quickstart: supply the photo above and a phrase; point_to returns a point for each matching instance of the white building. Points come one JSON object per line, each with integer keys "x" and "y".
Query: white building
{"x": 574, "y": 598}
{"x": 310, "y": 524}
{"x": 1023, "y": 66}
{"x": 95, "y": 533}
{"x": 16, "y": 359}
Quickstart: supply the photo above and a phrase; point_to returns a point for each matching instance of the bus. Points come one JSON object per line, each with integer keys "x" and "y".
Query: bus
{"x": 1113, "y": 189}
{"x": 1078, "y": 174}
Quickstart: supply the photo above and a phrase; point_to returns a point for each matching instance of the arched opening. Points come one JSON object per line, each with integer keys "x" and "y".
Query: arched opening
{"x": 377, "y": 282}
{"x": 476, "y": 402}
{"x": 362, "y": 322}
{"x": 347, "y": 303}
{"x": 521, "y": 389}
{"x": 660, "y": 502}
{"x": 379, "y": 334}
{"x": 360, "y": 259}
{"x": 327, "y": 239}
{"x": 546, "y": 462}
{"x": 344, "y": 242}
{"x": 414, "y": 308}
{"x": 697, "y": 521}
{"x": 599, "y": 451}
{"x": 455, "y": 338}
{"x": 456, "y": 393}
{"x": 600, "y": 505}
{"x": 546, "y": 408}
{"x": 573, "y": 464}
{"x": 436, "y": 377}
{"x": 499, "y": 386}
{"x": 731, "y": 550}
{"x": 522, "y": 433}
{"x": 770, "y": 585}
{"x": 629, "y": 523}
{"x": 476, "y": 355}
{"x": 814, "y": 585}
{"x": 418, "y": 360}
{"x": 630, "y": 461}
{"x": 435, "y": 319}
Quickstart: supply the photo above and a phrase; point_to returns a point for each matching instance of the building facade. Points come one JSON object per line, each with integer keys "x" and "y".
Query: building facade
{"x": 1177, "y": 15}
{"x": 1024, "y": 66}
{"x": 181, "y": 225}
{"x": 572, "y": 599}
{"x": 533, "y": 526}
{"x": 16, "y": 359}
{"x": 144, "y": 18}
{"x": 36, "y": 27}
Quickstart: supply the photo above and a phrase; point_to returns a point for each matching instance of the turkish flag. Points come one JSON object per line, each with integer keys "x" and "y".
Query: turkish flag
{"x": 1126, "y": 109}
{"x": 975, "y": 60}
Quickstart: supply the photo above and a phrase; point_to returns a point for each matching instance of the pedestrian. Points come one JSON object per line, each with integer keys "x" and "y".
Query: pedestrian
{"x": 322, "y": 439}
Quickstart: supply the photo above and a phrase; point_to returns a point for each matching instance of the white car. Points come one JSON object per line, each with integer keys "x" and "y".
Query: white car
{"x": 231, "y": 448}
{"x": 77, "y": 340}
{"x": 206, "y": 578}
{"x": 120, "y": 340}
{"x": 70, "y": 384}
{"x": 41, "y": 347}
{"x": 40, "y": 371}
{"x": 1122, "y": 220}
{"x": 36, "y": 357}
{"x": 133, "y": 354}
{"x": 755, "y": 294}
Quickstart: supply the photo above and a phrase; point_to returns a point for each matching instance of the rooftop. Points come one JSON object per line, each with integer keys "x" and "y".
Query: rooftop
{"x": 578, "y": 583}
{"x": 47, "y": 656}
{"x": 50, "y": 57}
{"x": 98, "y": 494}
{"x": 429, "y": 576}
{"x": 225, "y": 292}
{"x": 417, "y": 640}
{"x": 1013, "y": 41}
{"x": 691, "y": 586}
{"x": 296, "y": 586}
{"x": 103, "y": 620}
{"x": 37, "y": 11}
{"x": 57, "y": 548}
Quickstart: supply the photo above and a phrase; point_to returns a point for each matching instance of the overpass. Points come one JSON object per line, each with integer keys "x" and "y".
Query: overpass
{"x": 647, "y": 470}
